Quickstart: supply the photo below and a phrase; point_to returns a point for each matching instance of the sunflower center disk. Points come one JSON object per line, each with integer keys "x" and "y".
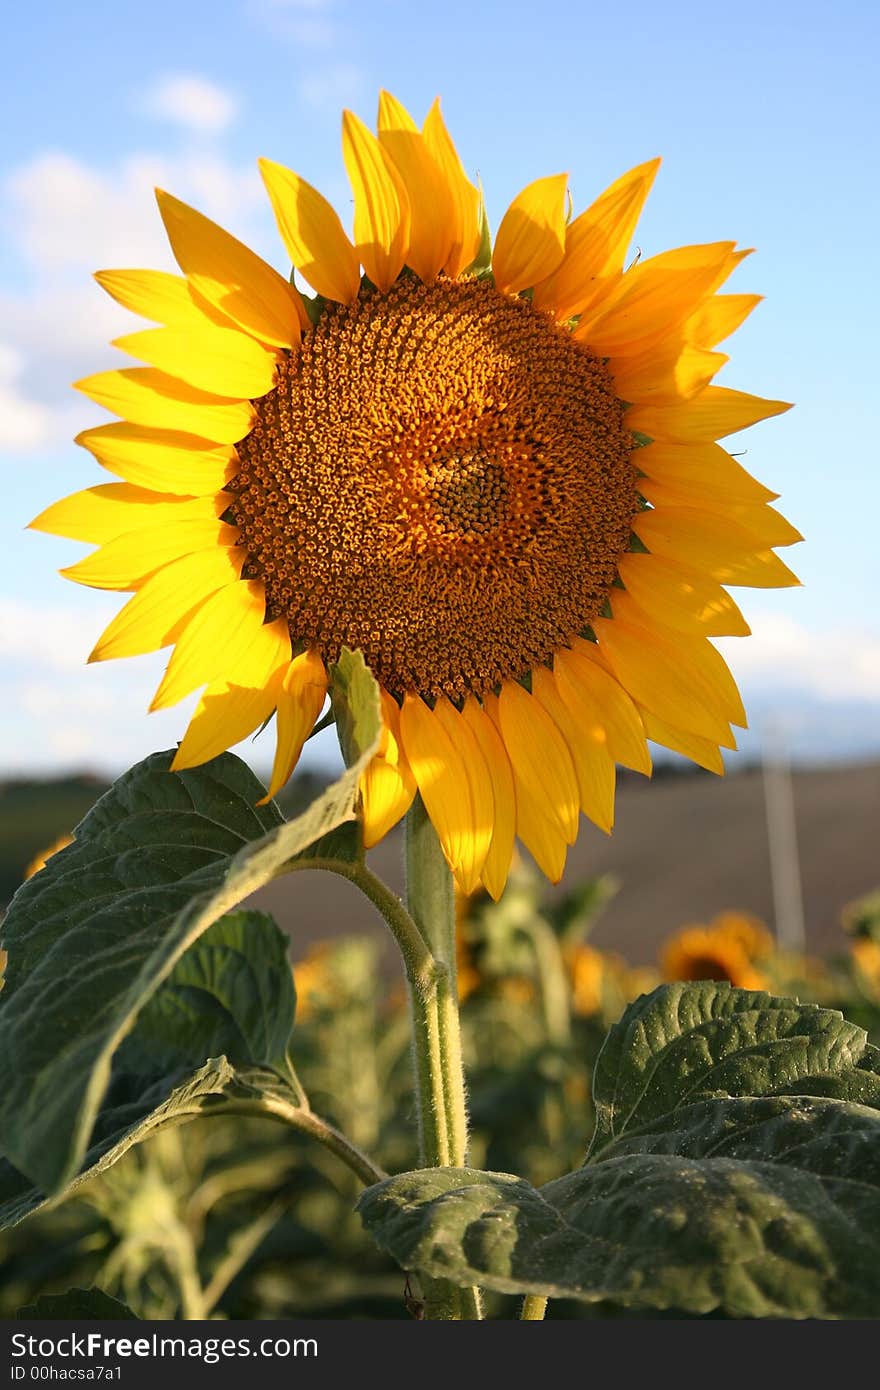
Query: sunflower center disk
{"x": 441, "y": 477}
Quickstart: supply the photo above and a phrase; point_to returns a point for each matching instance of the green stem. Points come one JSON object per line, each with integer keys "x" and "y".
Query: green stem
{"x": 295, "y": 1084}
{"x": 440, "y": 1084}
{"x": 307, "y": 1122}
{"x": 533, "y": 1308}
{"x": 418, "y": 961}
{"x": 430, "y": 897}
{"x": 552, "y": 981}
{"x": 424, "y": 973}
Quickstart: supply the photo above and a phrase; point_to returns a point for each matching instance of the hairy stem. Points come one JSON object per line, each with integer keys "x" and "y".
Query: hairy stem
{"x": 440, "y": 1081}
{"x": 307, "y": 1122}
{"x": 533, "y": 1308}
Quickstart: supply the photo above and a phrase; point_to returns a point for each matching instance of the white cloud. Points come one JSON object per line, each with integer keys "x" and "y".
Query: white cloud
{"x": 63, "y": 714}
{"x": 66, "y": 218}
{"x": 64, "y": 214}
{"x": 191, "y": 101}
{"x": 27, "y": 424}
{"x": 782, "y": 654}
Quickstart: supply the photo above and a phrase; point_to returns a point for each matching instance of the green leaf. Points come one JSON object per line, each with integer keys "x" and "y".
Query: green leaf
{"x": 481, "y": 266}
{"x": 789, "y": 1227}
{"x": 92, "y": 936}
{"x": 354, "y": 697}
{"x": 82, "y": 1305}
{"x": 735, "y": 1168}
{"x": 231, "y": 994}
{"x": 685, "y": 1041}
{"x": 133, "y": 1111}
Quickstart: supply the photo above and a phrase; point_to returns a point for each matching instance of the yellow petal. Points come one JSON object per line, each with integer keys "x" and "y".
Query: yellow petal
{"x": 540, "y": 759}
{"x": 465, "y": 198}
{"x": 700, "y": 750}
{"x": 593, "y": 764}
{"x": 655, "y": 670}
{"x": 657, "y": 376}
{"x": 217, "y": 639}
{"x": 716, "y": 412}
{"x": 145, "y": 396}
{"x": 475, "y": 843}
{"x": 313, "y": 234}
{"x": 713, "y": 544}
{"x": 719, "y": 317}
{"x": 767, "y": 525}
{"x": 703, "y": 470}
{"x": 530, "y": 242}
{"x": 161, "y": 459}
{"x": 164, "y": 298}
{"x": 300, "y": 700}
{"x": 539, "y": 832}
{"x": 679, "y": 597}
{"x": 653, "y": 299}
{"x": 498, "y": 858}
{"x": 387, "y": 786}
{"x": 99, "y": 514}
{"x": 154, "y": 617}
{"x": 387, "y": 790}
{"x": 239, "y": 701}
{"x": 231, "y": 276}
{"x": 440, "y": 774}
{"x": 432, "y": 219}
{"x": 596, "y": 243}
{"x": 124, "y": 563}
{"x": 220, "y": 360}
{"x": 381, "y": 206}
{"x": 600, "y": 707}
{"x": 707, "y": 666}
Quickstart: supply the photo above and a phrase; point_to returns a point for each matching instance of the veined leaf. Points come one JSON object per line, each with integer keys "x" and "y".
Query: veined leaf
{"x": 231, "y": 994}
{"x": 92, "y": 937}
{"x": 687, "y": 1041}
{"x": 132, "y": 1112}
{"x": 787, "y": 1226}
{"x": 735, "y": 1168}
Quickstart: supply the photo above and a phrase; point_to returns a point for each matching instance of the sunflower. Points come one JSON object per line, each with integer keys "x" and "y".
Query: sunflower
{"x": 492, "y": 468}
{"x": 710, "y": 953}
{"x": 747, "y": 931}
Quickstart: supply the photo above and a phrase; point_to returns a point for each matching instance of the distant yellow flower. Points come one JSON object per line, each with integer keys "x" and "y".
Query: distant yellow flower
{"x": 706, "y": 953}
{"x": 494, "y": 470}
{"x": 865, "y": 952}
{"x": 39, "y": 860}
{"x": 748, "y": 931}
{"x": 314, "y": 981}
{"x": 587, "y": 968}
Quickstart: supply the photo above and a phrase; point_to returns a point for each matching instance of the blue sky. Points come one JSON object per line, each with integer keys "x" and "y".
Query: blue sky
{"x": 766, "y": 119}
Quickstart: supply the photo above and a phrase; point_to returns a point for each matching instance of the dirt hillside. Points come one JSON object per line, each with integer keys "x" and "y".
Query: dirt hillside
{"x": 685, "y": 847}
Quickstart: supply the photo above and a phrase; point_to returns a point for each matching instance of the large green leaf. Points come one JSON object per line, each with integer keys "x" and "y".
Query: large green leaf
{"x": 789, "y": 1226}
{"x": 133, "y": 1111}
{"x": 736, "y": 1167}
{"x": 686, "y": 1041}
{"x": 231, "y": 994}
{"x": 92, "y": 937}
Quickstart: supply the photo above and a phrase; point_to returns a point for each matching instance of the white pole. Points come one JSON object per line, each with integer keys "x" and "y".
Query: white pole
{"x": 785, "y": 870}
